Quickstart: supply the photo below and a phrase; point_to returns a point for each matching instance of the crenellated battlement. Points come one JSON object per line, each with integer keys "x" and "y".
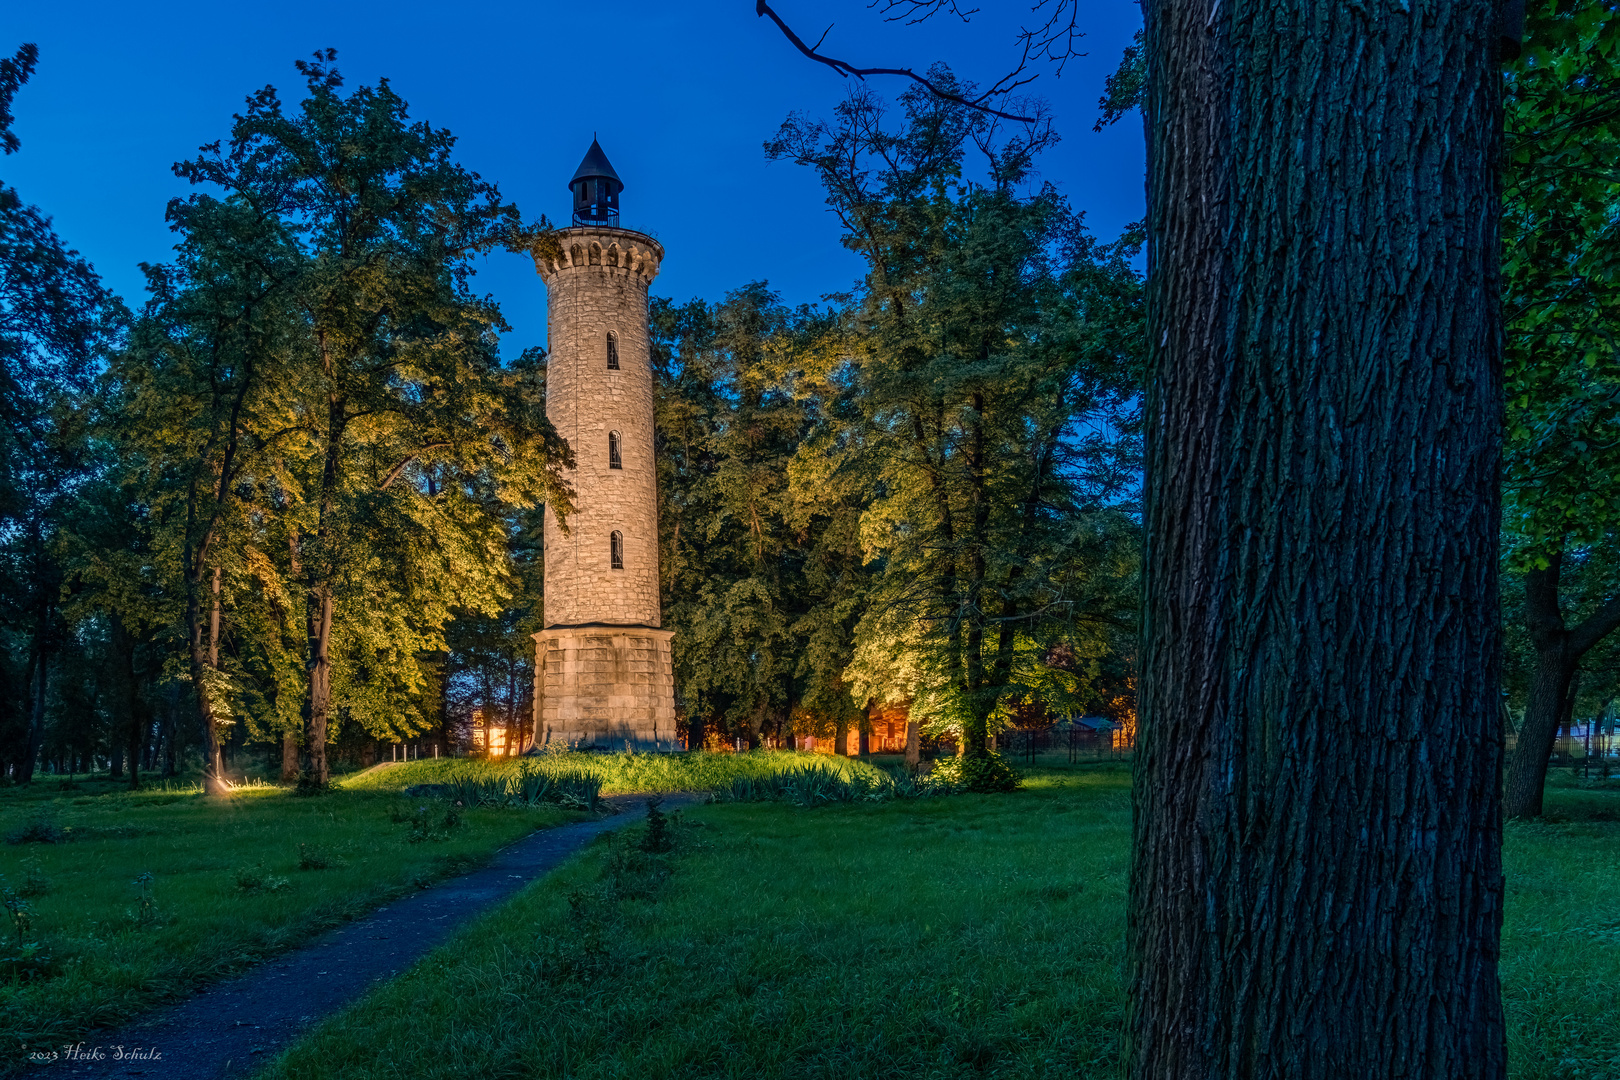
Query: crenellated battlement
{"x": 621, "y": 252}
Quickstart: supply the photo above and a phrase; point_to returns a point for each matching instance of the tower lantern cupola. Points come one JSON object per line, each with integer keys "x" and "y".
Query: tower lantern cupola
{"x": 596, "y": 189}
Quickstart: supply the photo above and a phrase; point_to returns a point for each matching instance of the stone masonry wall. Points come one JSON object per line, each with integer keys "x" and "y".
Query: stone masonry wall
{"x": 605, "y": 688}
{"x": 597, "y": 286}
{"x": 603, "y": 672}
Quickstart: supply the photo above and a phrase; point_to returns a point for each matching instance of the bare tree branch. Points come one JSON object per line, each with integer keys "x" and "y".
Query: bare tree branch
{"x": 1054, "y": 39}
{"x": 1004, "y": 85}
{"x": 916, "y": 11}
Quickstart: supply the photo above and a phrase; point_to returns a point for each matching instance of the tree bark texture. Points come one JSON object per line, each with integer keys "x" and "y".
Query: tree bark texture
{"x": 289, "y": 757}
{"x": 1316, "y": 883}
{"x": 1559, "y": 649}
{"x": 204, "y": 666}
{"x": 315, "y": 772}
{"x": 39, "y": 669}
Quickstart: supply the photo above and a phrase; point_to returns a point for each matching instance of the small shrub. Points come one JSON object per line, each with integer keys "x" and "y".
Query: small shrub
{"x": 145, "y": 911}
{"x": 656, "y": 840}
{"x": 315, "y": 858}
{"x": 38, "y": 831}
{"x": 990, "y": 773}
{"x": 35, "y": 883}
{"x": 28, "y": 962}
{"x": 19, "y": 914}
{"x": 250, "y": 878}
{"x": 24, "y": 960}
{"x": 425, "y": 826}
{"x": 106, "y": 832}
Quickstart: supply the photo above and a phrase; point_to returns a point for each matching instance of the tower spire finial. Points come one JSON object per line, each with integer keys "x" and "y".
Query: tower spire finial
{"x": 596, "y": 189}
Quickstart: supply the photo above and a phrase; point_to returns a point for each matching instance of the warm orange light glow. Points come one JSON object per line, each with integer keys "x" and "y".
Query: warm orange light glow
{"x": 489, "y": 737}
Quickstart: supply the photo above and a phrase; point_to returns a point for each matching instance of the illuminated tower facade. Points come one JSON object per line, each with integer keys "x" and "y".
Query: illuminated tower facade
{"x": 603, "y": 676}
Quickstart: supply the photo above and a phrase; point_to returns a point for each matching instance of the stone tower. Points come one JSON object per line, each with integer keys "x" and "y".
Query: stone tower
{"x": 603, "y": 676}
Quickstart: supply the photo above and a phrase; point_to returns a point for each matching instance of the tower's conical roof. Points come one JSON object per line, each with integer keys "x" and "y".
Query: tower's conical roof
{"x": 595, "y": 165}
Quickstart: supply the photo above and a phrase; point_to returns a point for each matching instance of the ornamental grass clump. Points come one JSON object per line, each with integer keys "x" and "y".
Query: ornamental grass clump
{"x": 818, "y": 784}
{"x": 530, "y": 786}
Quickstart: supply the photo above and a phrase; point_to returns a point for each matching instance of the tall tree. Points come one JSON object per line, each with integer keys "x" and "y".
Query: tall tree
{"x": 1562, "y": 281}
{"x": 404, "y": 375}
{"x": 990, "y": 396}
{"x": 56, "y": 321}
{"x": 729, "y": 422}
{"x": 1316, "y": 885}
{"x": 362, "y": 447}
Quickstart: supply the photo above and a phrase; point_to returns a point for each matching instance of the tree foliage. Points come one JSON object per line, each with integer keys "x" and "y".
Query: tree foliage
{"x": 985, "y": 377}
{"x": 1561, "y": 281}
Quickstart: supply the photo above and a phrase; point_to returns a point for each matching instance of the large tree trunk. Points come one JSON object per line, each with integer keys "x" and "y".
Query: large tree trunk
{"x": 320, "y": 601}
{"x": 1558, "y": 656}
{"x": 121, "y": 737}
{"x": 1316, "y": 885}
{"x": 204, "y": 680}
{"x": 981, "y": 699}
{"x": 289, "y": 757}
{"x": 39, "y": 670}
{"x": 138, "y": 725}
{"x": 314, "y": 772}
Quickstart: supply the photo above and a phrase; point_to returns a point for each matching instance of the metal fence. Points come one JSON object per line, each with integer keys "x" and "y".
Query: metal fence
{"x": 1069, "y": 746}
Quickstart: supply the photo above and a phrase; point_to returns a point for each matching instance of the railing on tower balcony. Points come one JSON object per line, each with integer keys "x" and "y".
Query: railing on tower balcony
{"x": 597, "y": 214}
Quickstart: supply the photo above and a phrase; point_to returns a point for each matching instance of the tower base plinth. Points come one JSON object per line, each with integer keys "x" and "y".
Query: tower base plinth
{"x": 604, "y": 688}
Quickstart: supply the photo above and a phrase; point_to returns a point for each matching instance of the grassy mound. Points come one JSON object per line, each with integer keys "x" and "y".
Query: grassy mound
{"x": 620, "y": 774}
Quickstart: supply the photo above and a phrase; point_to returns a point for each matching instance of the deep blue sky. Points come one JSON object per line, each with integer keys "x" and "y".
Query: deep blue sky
{"x": 681, "y": 95}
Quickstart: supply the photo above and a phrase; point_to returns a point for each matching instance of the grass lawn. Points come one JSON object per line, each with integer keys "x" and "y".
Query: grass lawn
{"x": 1561, "y": 938}
{"x": 226, "y": 887}
{"x": 957, "y": 936}
{"x": 964, "y": 936}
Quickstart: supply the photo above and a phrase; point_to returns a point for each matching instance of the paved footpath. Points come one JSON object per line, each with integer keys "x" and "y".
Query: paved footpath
{"x": 232, "y": 1028}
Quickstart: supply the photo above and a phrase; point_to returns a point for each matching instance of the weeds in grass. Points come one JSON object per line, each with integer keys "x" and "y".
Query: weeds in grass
{"x": 145, "y": 911}
{"x": 19, "y": 914}
{"x": 656, "y": 839}
{"x": 34, "y": 883}
{"x": 425, "y": 825}
{"x": 37, "y": 831}
{"x": 312, "y": 857}
{"x": 254, "y": 878}
{"x": 594, "y": 947}
{"x": 25, "y": 960}
{"x": 815, "y": 784}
